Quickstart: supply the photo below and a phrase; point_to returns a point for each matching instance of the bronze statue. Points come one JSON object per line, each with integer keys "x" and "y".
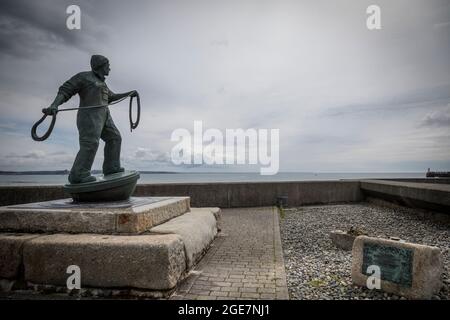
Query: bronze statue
{"x": 93, "y": 123}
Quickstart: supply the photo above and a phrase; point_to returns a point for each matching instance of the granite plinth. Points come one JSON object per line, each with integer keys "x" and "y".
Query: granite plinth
{"x": 132, "y": 216}
{"x": 152, "y": 263}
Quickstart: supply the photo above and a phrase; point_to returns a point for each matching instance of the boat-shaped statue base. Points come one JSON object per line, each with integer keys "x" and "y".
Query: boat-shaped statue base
{"x": 113, "y": 187}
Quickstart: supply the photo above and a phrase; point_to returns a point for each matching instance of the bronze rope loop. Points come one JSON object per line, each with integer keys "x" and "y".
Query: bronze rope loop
{"x": 133, "y": 124}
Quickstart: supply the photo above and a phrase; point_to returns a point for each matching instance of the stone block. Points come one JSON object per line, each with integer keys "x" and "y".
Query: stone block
{"x": 342, "y": 239}
{"x": 197, "y": 229}
{"x": 133, "y": 216}
{"x": 152, "y": 262}
{"x": 11, "y": 246}
{"x": 407, "y": 269}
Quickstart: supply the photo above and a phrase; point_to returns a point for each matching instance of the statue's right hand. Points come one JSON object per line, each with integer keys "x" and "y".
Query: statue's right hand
{"x": 50, "y": 110}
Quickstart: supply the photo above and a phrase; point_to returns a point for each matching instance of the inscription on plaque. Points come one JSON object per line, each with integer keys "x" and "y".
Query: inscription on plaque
{"x": 395, "y": 263}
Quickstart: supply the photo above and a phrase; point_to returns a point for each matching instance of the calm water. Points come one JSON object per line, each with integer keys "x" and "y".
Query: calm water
{"x": 210, "y": 177}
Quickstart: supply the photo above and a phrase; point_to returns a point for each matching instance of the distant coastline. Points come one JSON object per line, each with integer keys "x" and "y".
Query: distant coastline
{"x": 21, "y": 173}
{"x": 64, "y": 172}
{"x": 59, "y": 177}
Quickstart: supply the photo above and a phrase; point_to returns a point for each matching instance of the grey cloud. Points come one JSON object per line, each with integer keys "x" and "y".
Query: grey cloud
{"x": 145, "y": 154}
{"x": 58, "y": 153}
{"x": 19, "y": 39}
{"x": 220, "y": 43}
{"x": 233, "y": 64}
{"x": 35, "y": 154}
{"x": 7, "y": 126}
{"x": 418, "y": 99}
{"x": 442, "y": 25}
{"x": 438, "y": 118}
{"x": 140, "y": 153}
{"x": 331, "y": 139}
{"x": 29, "y": 28}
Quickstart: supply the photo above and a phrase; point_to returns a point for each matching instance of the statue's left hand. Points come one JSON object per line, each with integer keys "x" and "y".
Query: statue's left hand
{"x": 50, "y": 110}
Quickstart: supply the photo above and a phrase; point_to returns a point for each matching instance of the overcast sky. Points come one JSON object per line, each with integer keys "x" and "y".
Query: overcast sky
{"x": 344, "y": 98}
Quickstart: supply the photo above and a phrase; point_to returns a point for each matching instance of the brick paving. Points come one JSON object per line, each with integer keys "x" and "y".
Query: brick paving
{"x": 245, "y": 261}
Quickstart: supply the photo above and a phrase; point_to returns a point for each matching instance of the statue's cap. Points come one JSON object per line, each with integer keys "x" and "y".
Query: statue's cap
{"x": 97, "y": 61}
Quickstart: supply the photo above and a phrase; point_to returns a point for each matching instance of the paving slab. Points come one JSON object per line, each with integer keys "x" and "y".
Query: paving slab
{"x": 245, "y": 260}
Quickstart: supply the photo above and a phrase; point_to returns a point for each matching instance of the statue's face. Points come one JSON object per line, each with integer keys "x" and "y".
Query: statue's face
{"x": 106, "y": 69}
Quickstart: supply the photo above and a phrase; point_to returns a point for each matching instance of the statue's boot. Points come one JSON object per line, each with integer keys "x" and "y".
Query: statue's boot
{"x": 73, "y": 180}
{"x": 112, "y": 171}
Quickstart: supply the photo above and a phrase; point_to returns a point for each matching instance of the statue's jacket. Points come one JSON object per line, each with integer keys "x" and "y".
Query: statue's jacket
{"x": 93, "y": 91}
{"x": 91, "y": 88}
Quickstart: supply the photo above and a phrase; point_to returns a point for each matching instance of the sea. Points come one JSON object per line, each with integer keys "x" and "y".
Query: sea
{"x": 61, "y": 179}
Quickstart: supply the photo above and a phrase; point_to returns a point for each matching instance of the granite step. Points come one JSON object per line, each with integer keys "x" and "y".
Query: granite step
{"x": 133, "y": 216}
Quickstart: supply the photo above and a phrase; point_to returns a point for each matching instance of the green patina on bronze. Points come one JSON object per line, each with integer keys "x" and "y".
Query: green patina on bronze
{"x": 395, "y": 263}
{"x": 112, "y": 187}
{"x": 93, "y": 123}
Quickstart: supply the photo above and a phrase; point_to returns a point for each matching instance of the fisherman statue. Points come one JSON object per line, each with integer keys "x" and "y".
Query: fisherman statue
{"x": 93, "y": 123}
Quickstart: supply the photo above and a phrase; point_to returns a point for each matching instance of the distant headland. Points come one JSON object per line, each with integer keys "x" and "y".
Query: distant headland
{"x": 65, "y": 172}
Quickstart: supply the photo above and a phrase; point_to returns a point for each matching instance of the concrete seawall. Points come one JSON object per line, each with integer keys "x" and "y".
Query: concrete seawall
{"x": 416, "y": 193}
{"x": 435, "y": 197}
{"x": 419, "y": 180}
{"x": 223, "y": 195}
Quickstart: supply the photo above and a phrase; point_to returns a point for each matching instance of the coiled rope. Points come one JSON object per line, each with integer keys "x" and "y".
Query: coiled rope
{"x": 133, "y": 124}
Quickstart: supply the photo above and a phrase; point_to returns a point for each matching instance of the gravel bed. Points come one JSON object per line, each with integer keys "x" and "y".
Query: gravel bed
{"x": 316, "y": 269}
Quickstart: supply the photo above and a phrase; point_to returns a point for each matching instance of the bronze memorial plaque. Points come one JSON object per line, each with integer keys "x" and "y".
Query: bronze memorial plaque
{"x": 395, "y": 263}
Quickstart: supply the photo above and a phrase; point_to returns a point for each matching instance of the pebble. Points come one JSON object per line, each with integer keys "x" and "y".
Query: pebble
{"x": 314, "y": 265}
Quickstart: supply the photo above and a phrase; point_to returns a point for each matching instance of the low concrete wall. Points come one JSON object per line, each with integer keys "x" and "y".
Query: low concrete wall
{"x": 27, "y": 194}
{"x": 435, "y": 197}
{"x": 409, "y": 192}
{"x": 420, "y": 180}
{"x": 223, "y": 195}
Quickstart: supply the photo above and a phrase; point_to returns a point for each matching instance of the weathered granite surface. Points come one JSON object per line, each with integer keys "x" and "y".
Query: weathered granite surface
{"x": 136, "y": 215}
{"x": 153, "y": 262}
{"x": 197, "y": 230}
{"x": 11, "y": 247}
{"x": 150, "y": 264}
